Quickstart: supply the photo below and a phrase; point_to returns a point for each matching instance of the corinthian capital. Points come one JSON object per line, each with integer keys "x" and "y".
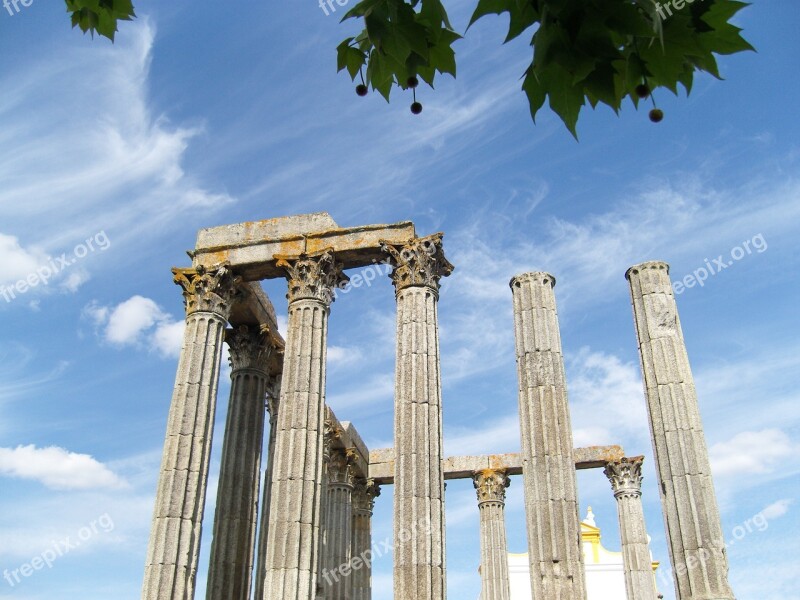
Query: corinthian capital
{"x": 250, "y": 348}
{"x": 313, "y": 277}
{"x": 207, "y": 289}
{"x": 625, "y": 476}
{"x": 340, "y": 469}
{"x": 364, "y": 493}
{"x": 420, "y": 262}
{"x": 491, "y": 485}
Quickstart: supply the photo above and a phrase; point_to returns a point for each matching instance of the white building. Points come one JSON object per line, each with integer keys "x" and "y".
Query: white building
{"x": 605, "y": 579}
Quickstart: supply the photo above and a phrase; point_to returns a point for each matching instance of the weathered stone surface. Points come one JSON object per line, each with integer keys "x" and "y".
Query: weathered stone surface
{"x": 419, "y": 525}
{"x": 625, "y": 476}
{"x": 694, "y": 531}
{"x": 174, "y": 547}
{"x": 548, "y": 464}
{"x": 292, "y": 559}
{"x": 251, "y": 248}
{"x": 364, "y": 493}
{"x": 381, "y": 462}
{"x": 490, "y": 486}
{"x": 235, "y": 519}
{"x": 339, "y": 527}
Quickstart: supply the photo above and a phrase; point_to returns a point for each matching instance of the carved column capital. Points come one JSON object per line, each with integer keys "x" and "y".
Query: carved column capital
{"x": 625, "y": 476}
{"x": 330, "y": 434}
{"x": 340, "y": 467}
{"x": 491, "y": 485}
{"x": 207, "y": 289}
{"x": 313, "y": 277}
{"x": 364, "y": 493}
{"x": 249, "y": 348}
{"x": 419, "y": 262}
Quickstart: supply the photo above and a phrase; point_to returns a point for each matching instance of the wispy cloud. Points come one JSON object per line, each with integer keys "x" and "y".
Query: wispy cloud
{"x": 57, "y": 468}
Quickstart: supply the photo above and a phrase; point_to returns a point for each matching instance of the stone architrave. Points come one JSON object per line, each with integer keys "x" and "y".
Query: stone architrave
{"x": 490, "y": 486}
{"x": 337, "y": 579}
{"x": 694, "y": 530}
{"x": 292, "y": 559}
{"x": 173, "y": 550}
{"x": 419, "y": 525}
{"x": 272, "y": 405}
{"x": 236, "y": 516}
{"x": 364, "y": 493}
{"x": 548, "y": 464}
{"x": 626, "y": 481}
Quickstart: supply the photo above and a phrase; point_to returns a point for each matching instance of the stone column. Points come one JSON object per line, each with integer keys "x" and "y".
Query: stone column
{"x": 295, "y": 510}
{"x": 694, "y": 531}
{"x": 174, "y": 547}
{"x": 548, "y": 465}
{"x": 491, "y": 489}
{"x": 626, "y": 480}
{"x": 419, "y": 527}
{"x": 233, "y": 545}
{"x": 331, "y": 434}
{"x": 364, "y": 494}
{"x": 273, "y": 402}
{"x": 336, "y": 577}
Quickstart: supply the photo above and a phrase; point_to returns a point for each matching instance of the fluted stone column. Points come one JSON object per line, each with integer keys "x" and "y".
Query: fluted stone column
{"x": 626, "y": 480}
{"x": 331, "y": 434}
{"x": 337, "y": 580}
{"x": 491, "y": 489}
{"x": 548, "y": 465}
{"x": 292, "y": 559}
{"x": 419, "y": 525}
{"x": 694, "y": 531}
{"x": 273, "y": 404}
{"x": 174, "y": 546}
{"x": 233, "y": 545}
{"x": 364, "y": 493}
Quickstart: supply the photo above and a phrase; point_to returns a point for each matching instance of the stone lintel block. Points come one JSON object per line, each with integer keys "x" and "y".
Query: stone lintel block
{"x": 251, "y": 247}
{"x": 381, "y": 462}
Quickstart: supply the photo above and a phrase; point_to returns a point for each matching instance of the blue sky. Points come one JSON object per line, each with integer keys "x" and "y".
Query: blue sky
{"x": 204, "y": 114}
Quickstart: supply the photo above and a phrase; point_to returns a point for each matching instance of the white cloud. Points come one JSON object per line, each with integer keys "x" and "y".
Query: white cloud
{"x": 341, "y": 356}
{"x": 138, "y": 321}
{"x": 777, "y": 509}
{"x": 751, "y": 453}
{"x": 17, "y": 262}
{"x": 57, "y": 468}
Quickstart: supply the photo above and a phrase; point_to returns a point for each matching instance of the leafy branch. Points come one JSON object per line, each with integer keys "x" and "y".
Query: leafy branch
{"x": 100, "y": 16}
{"x": 595, "y": 51}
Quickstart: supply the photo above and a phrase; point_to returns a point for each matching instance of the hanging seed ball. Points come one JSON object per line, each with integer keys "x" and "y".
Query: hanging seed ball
{"x": 656, "y": 115}
{"x": 642, "y": 90}
{"x": 416, "y": 108}
{"x": 361, "y": 89}
{"x": 412, "y": 82}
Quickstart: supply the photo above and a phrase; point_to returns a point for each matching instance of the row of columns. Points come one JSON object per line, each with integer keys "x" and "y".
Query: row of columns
{"x": 625, "y": 477}
{"x": 301, "y": 476}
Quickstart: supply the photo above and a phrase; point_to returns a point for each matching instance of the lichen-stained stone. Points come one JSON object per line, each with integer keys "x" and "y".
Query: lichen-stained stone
{"x": 694, "y": 531}
{"x": 174, "y": 546}
{"x": 490, "y": 486}
{"x": 548, "y": 463}
{"x": 419, "y": 524}
{"x": 625, "y": 476}
{"x": 292, "y": 559}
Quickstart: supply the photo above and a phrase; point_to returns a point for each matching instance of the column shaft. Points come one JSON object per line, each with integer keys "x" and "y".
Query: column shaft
{"x": 233, "y": 544}
{"x": 364, "y": 494}
{"x": 337, "y": 578}
{"x": 694, "y": 530}
{"x": 263, "y": 532}
{"x": 419, "y": 524}
{"x": 548, "y": 465}
{"x": 295, "y": 509}
{"x": 626, "y": 481}
{"x": 491, "y": 489}
{"x": 174, "y": 547}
